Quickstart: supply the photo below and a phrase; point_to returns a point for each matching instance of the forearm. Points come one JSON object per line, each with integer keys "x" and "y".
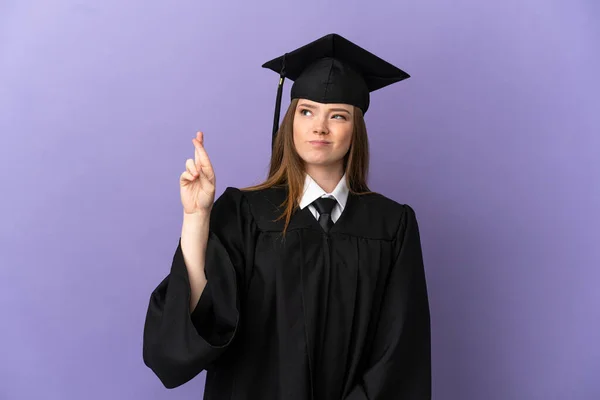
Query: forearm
{"x": 194, "y": 239}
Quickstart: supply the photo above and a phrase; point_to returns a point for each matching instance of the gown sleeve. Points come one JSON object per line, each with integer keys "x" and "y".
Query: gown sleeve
{"x": 399, "y": 366}
{"x": 177, "y": 344}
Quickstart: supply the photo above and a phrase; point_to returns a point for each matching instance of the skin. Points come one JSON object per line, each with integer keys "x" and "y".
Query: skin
{"x": 197, "y": 186}
{"x": 322, "y": 137}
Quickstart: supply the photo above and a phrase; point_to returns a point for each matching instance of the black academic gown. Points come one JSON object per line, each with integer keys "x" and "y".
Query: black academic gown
{"x": 312, "y": 316}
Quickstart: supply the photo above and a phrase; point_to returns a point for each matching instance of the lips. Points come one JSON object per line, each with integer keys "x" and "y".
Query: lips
{"x": 319, "y": 142}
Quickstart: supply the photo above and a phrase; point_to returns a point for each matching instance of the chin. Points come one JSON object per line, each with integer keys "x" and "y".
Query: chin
{"x": 320, "y": 159}
{"x": 321, "y": 162}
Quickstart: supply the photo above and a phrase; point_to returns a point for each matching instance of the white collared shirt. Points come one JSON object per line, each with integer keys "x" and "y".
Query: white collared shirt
{"x": 313, "y": 191}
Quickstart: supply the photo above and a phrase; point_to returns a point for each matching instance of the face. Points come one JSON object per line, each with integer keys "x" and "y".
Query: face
{"x": 323, "y": 132}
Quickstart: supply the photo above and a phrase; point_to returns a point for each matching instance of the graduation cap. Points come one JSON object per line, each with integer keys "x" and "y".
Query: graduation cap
{"x": 332, "y": 70}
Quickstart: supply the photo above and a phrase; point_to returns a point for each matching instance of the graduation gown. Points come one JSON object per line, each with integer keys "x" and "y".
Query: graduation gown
{"x": 309, "y": 316}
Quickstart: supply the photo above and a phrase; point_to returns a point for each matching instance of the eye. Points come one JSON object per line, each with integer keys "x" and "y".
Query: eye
{"x": 304, "y": 112}
{"x": 340, "y": 116}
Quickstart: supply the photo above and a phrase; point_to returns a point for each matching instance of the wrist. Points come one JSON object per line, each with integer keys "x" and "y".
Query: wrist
{"x": 201, "y": 214}
{"x": 196, "y": 221}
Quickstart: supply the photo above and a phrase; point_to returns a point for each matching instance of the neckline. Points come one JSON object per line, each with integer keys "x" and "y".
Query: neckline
{"x": 338, "y": 225}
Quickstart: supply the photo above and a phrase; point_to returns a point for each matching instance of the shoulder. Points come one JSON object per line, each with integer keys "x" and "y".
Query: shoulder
{"x": 375, "y": 199}
{"x": 252, "y": 203}
{"x": 379, "y": 203}
{"x": 231, "y": 196}
{"x": 381, "y": 210}
{"x": 230, "y": 205}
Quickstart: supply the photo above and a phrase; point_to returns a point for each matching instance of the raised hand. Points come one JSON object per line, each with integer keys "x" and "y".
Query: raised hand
{"x": 197, "y": 182}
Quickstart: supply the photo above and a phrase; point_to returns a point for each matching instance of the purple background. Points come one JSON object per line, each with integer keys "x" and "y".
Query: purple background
{"x": 494, "y": 141}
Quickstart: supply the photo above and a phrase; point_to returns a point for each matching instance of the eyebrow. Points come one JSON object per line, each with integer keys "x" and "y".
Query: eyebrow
{"x": 331, "y": 109}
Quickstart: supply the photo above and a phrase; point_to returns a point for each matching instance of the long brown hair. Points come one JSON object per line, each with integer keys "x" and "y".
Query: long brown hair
{"x": 287, "y": 168}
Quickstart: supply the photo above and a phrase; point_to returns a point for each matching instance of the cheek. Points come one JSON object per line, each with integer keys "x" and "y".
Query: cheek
{"x": 346, "y": 139}
{"x": 296, "y": 133}
{"x": 299, "y": 128}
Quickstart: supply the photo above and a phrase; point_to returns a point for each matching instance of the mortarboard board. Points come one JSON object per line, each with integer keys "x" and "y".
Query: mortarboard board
{"x": 332, "y": 70}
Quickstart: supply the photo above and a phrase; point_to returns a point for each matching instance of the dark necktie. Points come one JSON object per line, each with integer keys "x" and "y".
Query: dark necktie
{"x": 324, "y": 206}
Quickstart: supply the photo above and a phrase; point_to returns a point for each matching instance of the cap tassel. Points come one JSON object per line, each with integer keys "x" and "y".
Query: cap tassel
{"x": 278, "y": 103}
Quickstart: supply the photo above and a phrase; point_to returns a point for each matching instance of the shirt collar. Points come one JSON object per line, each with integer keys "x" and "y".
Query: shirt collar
{"x": 313, "y": 191}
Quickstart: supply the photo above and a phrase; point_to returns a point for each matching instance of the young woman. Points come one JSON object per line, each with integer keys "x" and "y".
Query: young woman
{"x": 308, "y": 286}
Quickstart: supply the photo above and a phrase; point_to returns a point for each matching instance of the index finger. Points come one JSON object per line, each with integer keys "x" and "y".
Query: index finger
{"x": 201, "y": 158}
{"x": 198, "y": 141}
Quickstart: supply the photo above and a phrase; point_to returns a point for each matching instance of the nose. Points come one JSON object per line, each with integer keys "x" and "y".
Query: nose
{"x": 320, "y": 127}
